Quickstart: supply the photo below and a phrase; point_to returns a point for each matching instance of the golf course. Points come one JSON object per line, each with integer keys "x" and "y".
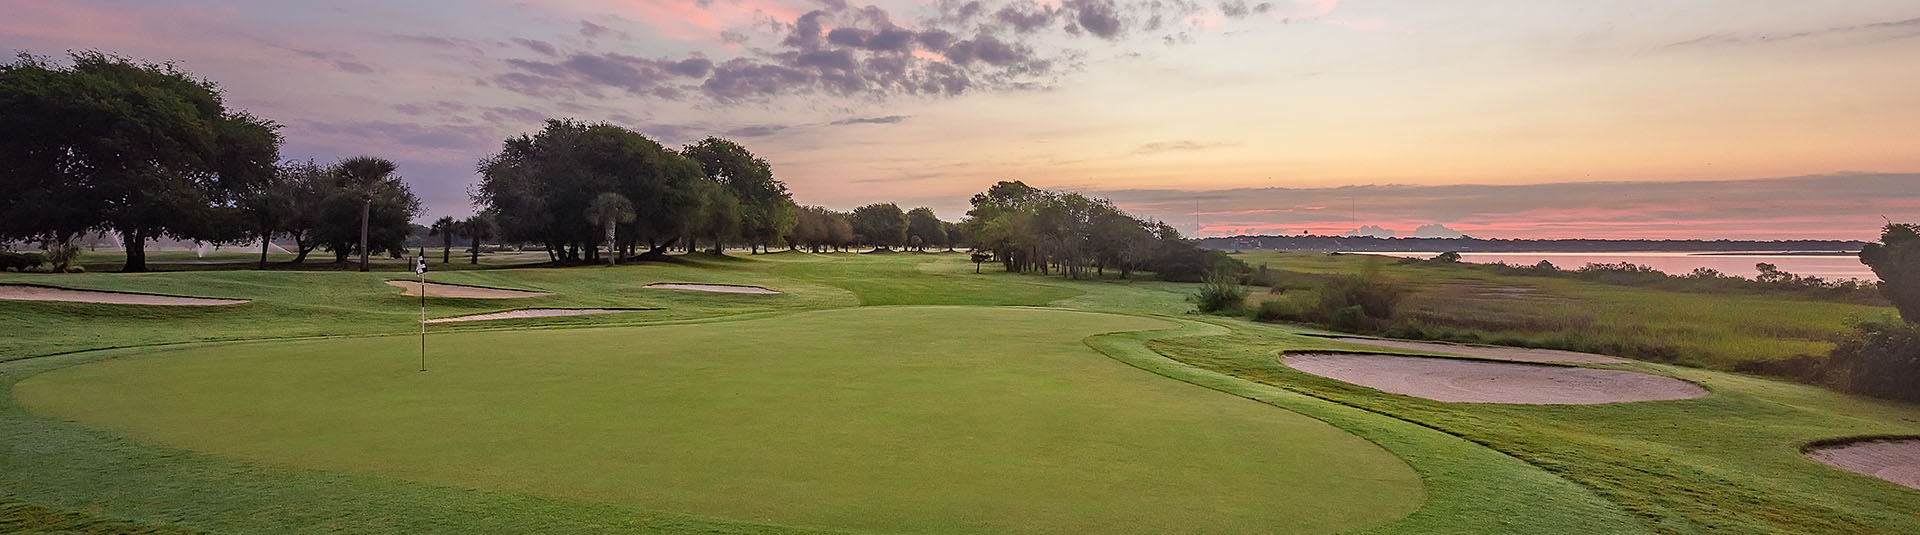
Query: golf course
{"x": 895, "y": 393}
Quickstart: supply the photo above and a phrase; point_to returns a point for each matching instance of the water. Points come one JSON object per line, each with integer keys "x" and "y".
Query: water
{"x": 1831, "y": 267}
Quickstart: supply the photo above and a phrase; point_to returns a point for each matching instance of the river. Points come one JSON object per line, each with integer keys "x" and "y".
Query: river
{"x": 1832, "y": 266}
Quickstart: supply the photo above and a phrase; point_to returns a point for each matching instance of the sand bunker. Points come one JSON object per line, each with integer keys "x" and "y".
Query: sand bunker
{"x": 715, "y": 288}
{"x": 464, "y": 292}
{"x": 1896, "y": 460}
{"x": 1468, "y": 381}
{"x": 42, "y": 293}
{"x": 528, "y": 313}
{"x": 1515, "y": 354}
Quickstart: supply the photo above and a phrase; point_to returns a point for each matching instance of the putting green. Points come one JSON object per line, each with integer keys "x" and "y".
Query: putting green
{"x": 926, "y": 419}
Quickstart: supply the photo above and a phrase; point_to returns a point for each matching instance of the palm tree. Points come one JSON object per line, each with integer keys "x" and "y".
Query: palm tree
{"x": 609, "y": 210}
{"x": 479, "y": 227}
{"x": 445, "y": 228}
{"x": 364, "y": 175}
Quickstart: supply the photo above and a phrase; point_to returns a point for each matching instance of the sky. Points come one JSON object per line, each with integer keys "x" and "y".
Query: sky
{"x": 1749, "y": 119}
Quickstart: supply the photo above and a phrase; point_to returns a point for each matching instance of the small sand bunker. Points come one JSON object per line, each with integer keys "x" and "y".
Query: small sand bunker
{"x": 715, "y": 288}
{"x": 465, "y": 292}
{"x": 1516, "y": 354}
{"x": 1468, "y": 381}
{"x": 42, "y": 293}
{"x": 528, "y": 313}
{"x": 1896, "y": 460}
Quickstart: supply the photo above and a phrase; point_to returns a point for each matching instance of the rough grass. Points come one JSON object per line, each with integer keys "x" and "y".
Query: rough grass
{"x": 1470, "y": 303}
{"x": 1008, "y": 424}
{"x": 1726, "y": 463}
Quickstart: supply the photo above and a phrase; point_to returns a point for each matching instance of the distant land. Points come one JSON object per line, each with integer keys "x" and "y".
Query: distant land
{"x": 1310, "y": 242}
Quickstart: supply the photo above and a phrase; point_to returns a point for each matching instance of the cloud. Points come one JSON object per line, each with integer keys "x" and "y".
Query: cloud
{"x": 585, "y": 74}
{"x": 890, "y": 119}
{"x": 1839, "y": 206}
{"x": 1177, "y": 146}
{"x": 593, "y": 31}
{"x": 1370, "y": 230}
{"x": 340, "y": 61}
{"x": 1895, "y": 29}
{"x": 1436, "y": 230}
{"x": 1235, "y": 9}
{"x": 755, "y": 131}
{"x": 846, "y": 50}
{"x": 543, "y": 47}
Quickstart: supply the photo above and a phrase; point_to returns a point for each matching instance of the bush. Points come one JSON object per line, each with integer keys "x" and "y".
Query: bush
{"x": 1880, "y": 358}
{"x": 1373, "y": 296}
{"x": 1221, "y": 293}
{"x": 21, "y": 261}
{"x": 62, "y": 254}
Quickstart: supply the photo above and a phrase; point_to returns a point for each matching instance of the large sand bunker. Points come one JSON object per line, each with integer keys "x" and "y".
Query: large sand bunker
{"x": 715, "y": 288}
{"x": 1468, "y": 381}
{"x": 435, "y": 289}
{"x": 528, "y": 313}
{"x": 1896, "y": 460}
{"x": 1516, "y": 354}
{"x": 18, "y": 292}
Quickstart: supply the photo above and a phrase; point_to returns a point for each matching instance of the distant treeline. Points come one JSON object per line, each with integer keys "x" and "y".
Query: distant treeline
{"x": 1482, "y": 245}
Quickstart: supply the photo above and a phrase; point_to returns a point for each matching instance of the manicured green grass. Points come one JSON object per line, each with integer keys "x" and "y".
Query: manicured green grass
{"x": 916, "y": 419}
{"x": 1725, "y": 463}
{"x": 1471, "y": 303}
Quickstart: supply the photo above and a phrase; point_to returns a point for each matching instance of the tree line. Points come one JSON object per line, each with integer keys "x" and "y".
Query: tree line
{"x": 1031, "y": 230}
{"x": 597, "y": 192}
{"x": 148, "y": 151}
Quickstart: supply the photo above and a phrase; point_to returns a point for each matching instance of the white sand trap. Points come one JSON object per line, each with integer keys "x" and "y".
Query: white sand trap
{"x": 1516, "y": 354}
{"x": 1468, "y": 381}
{"x": 41, "y": 293}
{"x": 1896, "y": 460}
{"x": 435, "y": 289}
{"x": 528, "y": 313}
{"x": 715, "y": 288}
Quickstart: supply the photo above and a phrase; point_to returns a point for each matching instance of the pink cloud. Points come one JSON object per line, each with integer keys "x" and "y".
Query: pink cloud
{"x": 686, "y": 20}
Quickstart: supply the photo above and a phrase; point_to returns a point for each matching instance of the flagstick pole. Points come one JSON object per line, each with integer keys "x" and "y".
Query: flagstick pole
{"x": 423, "y": 316}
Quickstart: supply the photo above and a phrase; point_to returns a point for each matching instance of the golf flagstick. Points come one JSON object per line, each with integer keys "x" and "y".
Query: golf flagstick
{"x": 420, "y": 268}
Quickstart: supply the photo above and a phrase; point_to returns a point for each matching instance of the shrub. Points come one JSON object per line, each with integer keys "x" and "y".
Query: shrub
{"x": 1449, "y": 257}
{"x": 21, "y": 261}
{"x": 62, "y": 254}
{"x": 1220, "y": 293}
{"x": 1295, "y": 307}
{"x": 1373, "y": 296}
{"x": 1880, "y": 358}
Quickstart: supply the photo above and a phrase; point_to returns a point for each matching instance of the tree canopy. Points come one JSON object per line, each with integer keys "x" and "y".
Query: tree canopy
{"x": 1896, "y": 260}
{"x": 141, "y": 148}
{"x": 538, "y": 186}
{"x": 1033, "y": 230}
{"x": 881, "y": 225}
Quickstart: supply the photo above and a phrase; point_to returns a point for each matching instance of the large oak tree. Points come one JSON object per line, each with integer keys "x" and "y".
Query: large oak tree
{"x": 140, "y": 148}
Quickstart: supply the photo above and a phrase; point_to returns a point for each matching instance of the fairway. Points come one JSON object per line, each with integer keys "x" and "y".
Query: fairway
{"x": 996, "y": 419}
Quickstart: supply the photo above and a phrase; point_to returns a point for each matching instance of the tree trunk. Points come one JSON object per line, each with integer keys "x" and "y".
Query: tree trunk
{"x": 446, "y": 247}
{"x": 263, "y": 249}
{"x": 613, "y": 247}
{"x": 366, "y": 218}
{"x": 660, "y": 251}
{"x": 475, "y": 251}
{"x": 136, "y": 251}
